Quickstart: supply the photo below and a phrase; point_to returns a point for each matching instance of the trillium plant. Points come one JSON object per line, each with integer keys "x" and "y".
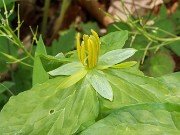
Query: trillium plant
{"x": 91, "y": 66}
{"x": 97, "y": 90}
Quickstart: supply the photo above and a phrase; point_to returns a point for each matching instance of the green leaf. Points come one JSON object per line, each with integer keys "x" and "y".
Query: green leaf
{"x": 139, "y": 43}
{"x": 6, "y": 47}
{"x": 3, "y": 67}
{"x": 176, "y": 20}
{"x": 47, "y": 109}
{"x": 22, "y": 79}
{"x": 9, "y": 57}
{"x": 74, "y": 78}
{"x": 3, "y": 100}
{"x": 164, "y": 24}
{"x": 39, "y": 74}
{"x": 125, "y": 64}
{"x": 116, "y": 56}
{"x": 65, "y": 43}
{"x": 117, "y": 26}
{"x": 86, "y": 27}
{"x": 7, "y": 2}
{"x": 113, "y": 41}
{"x": 51, "y": 62}
{"x": 5, "y": 86}
{"x": 58, "y": 58}
{"x": 144, "y": 119}
{"x": 100, "y": 84}
{"x": 67, "y": 69}
{"x": 131, "y": 88}
{"x": 171, "y": 80}
{"x": 157, "y": 65}
{"x": 163, "y": 12}
{"x": 12, "y": 59}
{"x": 41, "y": 49}
{"x": 175, "y": 47}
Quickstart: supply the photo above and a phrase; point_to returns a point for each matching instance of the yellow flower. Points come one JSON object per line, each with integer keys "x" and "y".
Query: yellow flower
{"x": 88, "y": 49}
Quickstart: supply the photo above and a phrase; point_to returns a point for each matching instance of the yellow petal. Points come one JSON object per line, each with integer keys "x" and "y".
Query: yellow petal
{"x": 95, "y": 51}
{"x": 95, "y": 35}
{"x": 85, "y": 39}
{"x": 78, "y": 45}
{"x": 90, "y": 54}
{"x": 83, "y": 54}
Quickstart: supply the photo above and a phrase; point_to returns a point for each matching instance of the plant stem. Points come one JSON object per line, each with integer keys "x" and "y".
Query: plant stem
{"x": 157, "y": 28}
{"x": 6, "y": 12}
{"x": 17, "y": 41}
{"x": 146, "y": 49}
{"x": 7, "y": 89}
{"x": 158, "y": 46}
{"x": 151, "y": 37}
{"x": 19, "y": 24}
{"x": 45, "y": 17}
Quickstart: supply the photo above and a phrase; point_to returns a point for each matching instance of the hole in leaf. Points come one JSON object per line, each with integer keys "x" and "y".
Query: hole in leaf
{"x": 51, "y": 111}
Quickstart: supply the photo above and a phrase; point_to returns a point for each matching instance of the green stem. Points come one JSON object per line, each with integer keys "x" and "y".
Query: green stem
{"x": 11, "y": 72}
{"x": 164, "y": 39}
{"x": 45, "y": 17}
{"x": 152, "y": 37}
{"x": 158, "y": 46}
{"x": 19, "y": 24}
{"x": 17, "y": 41}
{"x": 7, "y": 89}
{"x": 145, "y": 52}
{"x": 6, "y": 12}
{"x": 157, "y": 28}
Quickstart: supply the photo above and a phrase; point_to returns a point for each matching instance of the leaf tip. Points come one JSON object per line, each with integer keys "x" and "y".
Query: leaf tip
{"x": 111, "y": 98}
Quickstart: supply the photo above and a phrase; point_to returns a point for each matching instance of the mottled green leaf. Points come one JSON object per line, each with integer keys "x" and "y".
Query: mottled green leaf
{"x": 47, "y": 109}
{"x": 172, "y": 81}
{"x": 175, "y": 47}
{"x": 159, "y": 64}
{"x": 86, "y": 27}
{"x": 39, "y": 74}
{"x": 22, "y": 78}
{"x": 65, "y": 43}
{"x": 113, "y": 40}
{"x": 6, "y": 47}
{"x": 145, "y": 119}
{"x": 67, "y": 69}
{"x": 100, "y": 84}
{"x": 71, "y": 80}
{"x": 116, "y": 56}
{"x": 125, "y": 64}
{"x": 131, "y": 88}
{"x": 41, "y": 49}
{"x": 51, "y": 62}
